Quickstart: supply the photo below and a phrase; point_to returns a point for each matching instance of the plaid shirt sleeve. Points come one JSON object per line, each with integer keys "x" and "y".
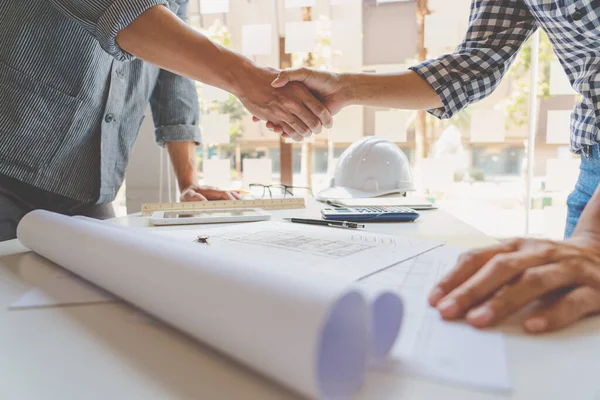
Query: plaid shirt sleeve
{"x": 103, "y": 19}
{"x": 497, "y": 31}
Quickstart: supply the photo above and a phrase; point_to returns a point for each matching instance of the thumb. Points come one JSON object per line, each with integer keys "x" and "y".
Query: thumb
{"x": 285, "y": 77}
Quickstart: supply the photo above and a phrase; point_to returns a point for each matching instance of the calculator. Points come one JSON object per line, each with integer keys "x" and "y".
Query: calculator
{"x": 374, "y": 214}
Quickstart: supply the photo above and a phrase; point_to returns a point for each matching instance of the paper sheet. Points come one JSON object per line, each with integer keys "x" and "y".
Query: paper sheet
{"x": 410, "y": 201}
{"x": 225, "y": 299}
{"x": 298, "y": 248}
{"x": 428, "y": 346}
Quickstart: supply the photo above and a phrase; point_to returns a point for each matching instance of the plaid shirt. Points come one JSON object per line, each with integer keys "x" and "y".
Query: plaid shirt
{"x": 497, "y": 30}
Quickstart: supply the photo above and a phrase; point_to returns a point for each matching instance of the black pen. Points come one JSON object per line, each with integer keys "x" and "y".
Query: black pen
{"x": 336, "y": 224}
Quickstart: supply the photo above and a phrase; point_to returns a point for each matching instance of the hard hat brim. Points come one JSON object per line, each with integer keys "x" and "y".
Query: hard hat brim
{"x": 340, "y": 192}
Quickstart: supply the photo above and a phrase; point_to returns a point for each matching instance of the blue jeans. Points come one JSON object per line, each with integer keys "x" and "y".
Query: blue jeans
{"x": 589, "y": 177}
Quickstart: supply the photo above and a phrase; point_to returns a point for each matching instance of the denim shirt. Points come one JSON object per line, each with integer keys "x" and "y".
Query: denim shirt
{"x": 72, "y": 101}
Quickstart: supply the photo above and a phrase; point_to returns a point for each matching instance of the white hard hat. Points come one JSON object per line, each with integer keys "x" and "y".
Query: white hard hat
{"x": 370, "y": 167}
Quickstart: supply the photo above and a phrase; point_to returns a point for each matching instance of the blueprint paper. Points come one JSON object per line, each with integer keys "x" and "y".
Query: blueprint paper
{"x": 300, "y": 248}
{"x": 430, "y": 347}
{"x": 224, "y": 299}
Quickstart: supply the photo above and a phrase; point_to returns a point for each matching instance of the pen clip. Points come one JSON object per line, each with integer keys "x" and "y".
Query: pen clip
{"x": 346, "y": 225}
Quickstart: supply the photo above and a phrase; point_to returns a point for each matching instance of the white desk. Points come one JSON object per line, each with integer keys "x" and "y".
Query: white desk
{"x": 104, "y": 352}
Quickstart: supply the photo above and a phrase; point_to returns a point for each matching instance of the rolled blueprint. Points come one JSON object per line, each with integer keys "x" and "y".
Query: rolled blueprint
{"x": 386, "y": 315}
{"x": 310, "y": 333}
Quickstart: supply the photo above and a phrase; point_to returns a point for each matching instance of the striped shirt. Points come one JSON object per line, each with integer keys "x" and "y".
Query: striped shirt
{"x": 498, "y": 29}
{"x": 71, "y": 101}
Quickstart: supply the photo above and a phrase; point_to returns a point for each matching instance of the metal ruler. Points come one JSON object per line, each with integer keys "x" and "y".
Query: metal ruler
{"x": 265, "y": 204}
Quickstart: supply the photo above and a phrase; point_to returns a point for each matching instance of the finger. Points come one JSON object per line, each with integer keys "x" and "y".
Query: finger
{"x": 216, "y": 194}
{"x": 501, "y": 269}
{"x": 290, "y": 133}
{"x": 236, "y": 196}
{"x": 227, "y": 195}
{"x": 299, "y": 129}
{"x": 320, "y": 111}
{"x": 534, "y": 283}
{"x": 192, "y": 195}
{"x": 285, "y": 77}
{"x": 573, "y": 306}
{"x": 309, "y": 119}
{"x": 468, "y": 263}
{"x": 316, "y": 108}
{"x": 255, "y": 119}
{"x": 274, "y": 128}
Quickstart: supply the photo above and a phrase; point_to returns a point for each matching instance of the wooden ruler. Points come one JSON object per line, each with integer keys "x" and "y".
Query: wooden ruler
{"x": 265, "y": 204}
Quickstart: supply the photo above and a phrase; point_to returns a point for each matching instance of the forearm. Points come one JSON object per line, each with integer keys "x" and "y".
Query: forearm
{"x": 589, "y": 221}
{"x": 183, "y": 159}
{"x": 161, "y": 38}
{"x": 405, "y": 90}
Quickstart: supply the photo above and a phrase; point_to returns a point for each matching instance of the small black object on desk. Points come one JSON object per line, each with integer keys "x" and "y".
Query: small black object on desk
{"x": 335, "y": 224}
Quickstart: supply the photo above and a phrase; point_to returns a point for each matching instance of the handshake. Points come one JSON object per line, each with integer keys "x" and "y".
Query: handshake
{"x": 295, "y": 103}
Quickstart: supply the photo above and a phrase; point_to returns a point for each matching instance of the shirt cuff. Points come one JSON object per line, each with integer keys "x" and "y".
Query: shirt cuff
{"x": 451, "y": 92}
{"x": 177, "y": 133}
{"x": 117, "y": 17}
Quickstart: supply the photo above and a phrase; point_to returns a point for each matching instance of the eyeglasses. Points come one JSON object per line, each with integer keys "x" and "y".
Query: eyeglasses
{"x": 260, "y": 191}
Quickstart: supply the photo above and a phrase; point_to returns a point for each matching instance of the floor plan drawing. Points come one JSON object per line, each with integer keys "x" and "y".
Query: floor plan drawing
{"x": 299, "y": 243}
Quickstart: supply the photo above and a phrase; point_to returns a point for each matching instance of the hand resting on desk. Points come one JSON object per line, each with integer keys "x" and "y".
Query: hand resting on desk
{"x": 196, "y": 192}
{"x": 490, "y": 284}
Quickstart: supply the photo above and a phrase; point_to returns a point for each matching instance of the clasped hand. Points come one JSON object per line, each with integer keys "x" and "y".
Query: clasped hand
{"x": 293, "y": 108}
{"x": 319, "y": 92}
{"x": 490, "y": 284}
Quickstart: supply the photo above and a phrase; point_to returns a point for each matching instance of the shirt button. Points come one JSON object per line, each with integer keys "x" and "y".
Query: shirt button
{"x": 109, "y": 118}
{"x": 577, "y": 15}
{"x": 120, "y": 72}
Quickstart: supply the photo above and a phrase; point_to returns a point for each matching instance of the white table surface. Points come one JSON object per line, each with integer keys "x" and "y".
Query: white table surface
{"x": 104, "y": 351}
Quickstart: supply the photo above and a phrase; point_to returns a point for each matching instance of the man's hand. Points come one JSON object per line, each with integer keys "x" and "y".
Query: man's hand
{"x": 293, "y": 108}
{"x": 204, "y": 193}
{"x": 326, "y": 86}
{"x": 183, "y": 158}
{"x": 490, "y": 284}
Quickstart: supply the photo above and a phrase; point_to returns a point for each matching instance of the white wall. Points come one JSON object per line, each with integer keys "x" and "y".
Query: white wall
{"x": 143, "y": 173}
